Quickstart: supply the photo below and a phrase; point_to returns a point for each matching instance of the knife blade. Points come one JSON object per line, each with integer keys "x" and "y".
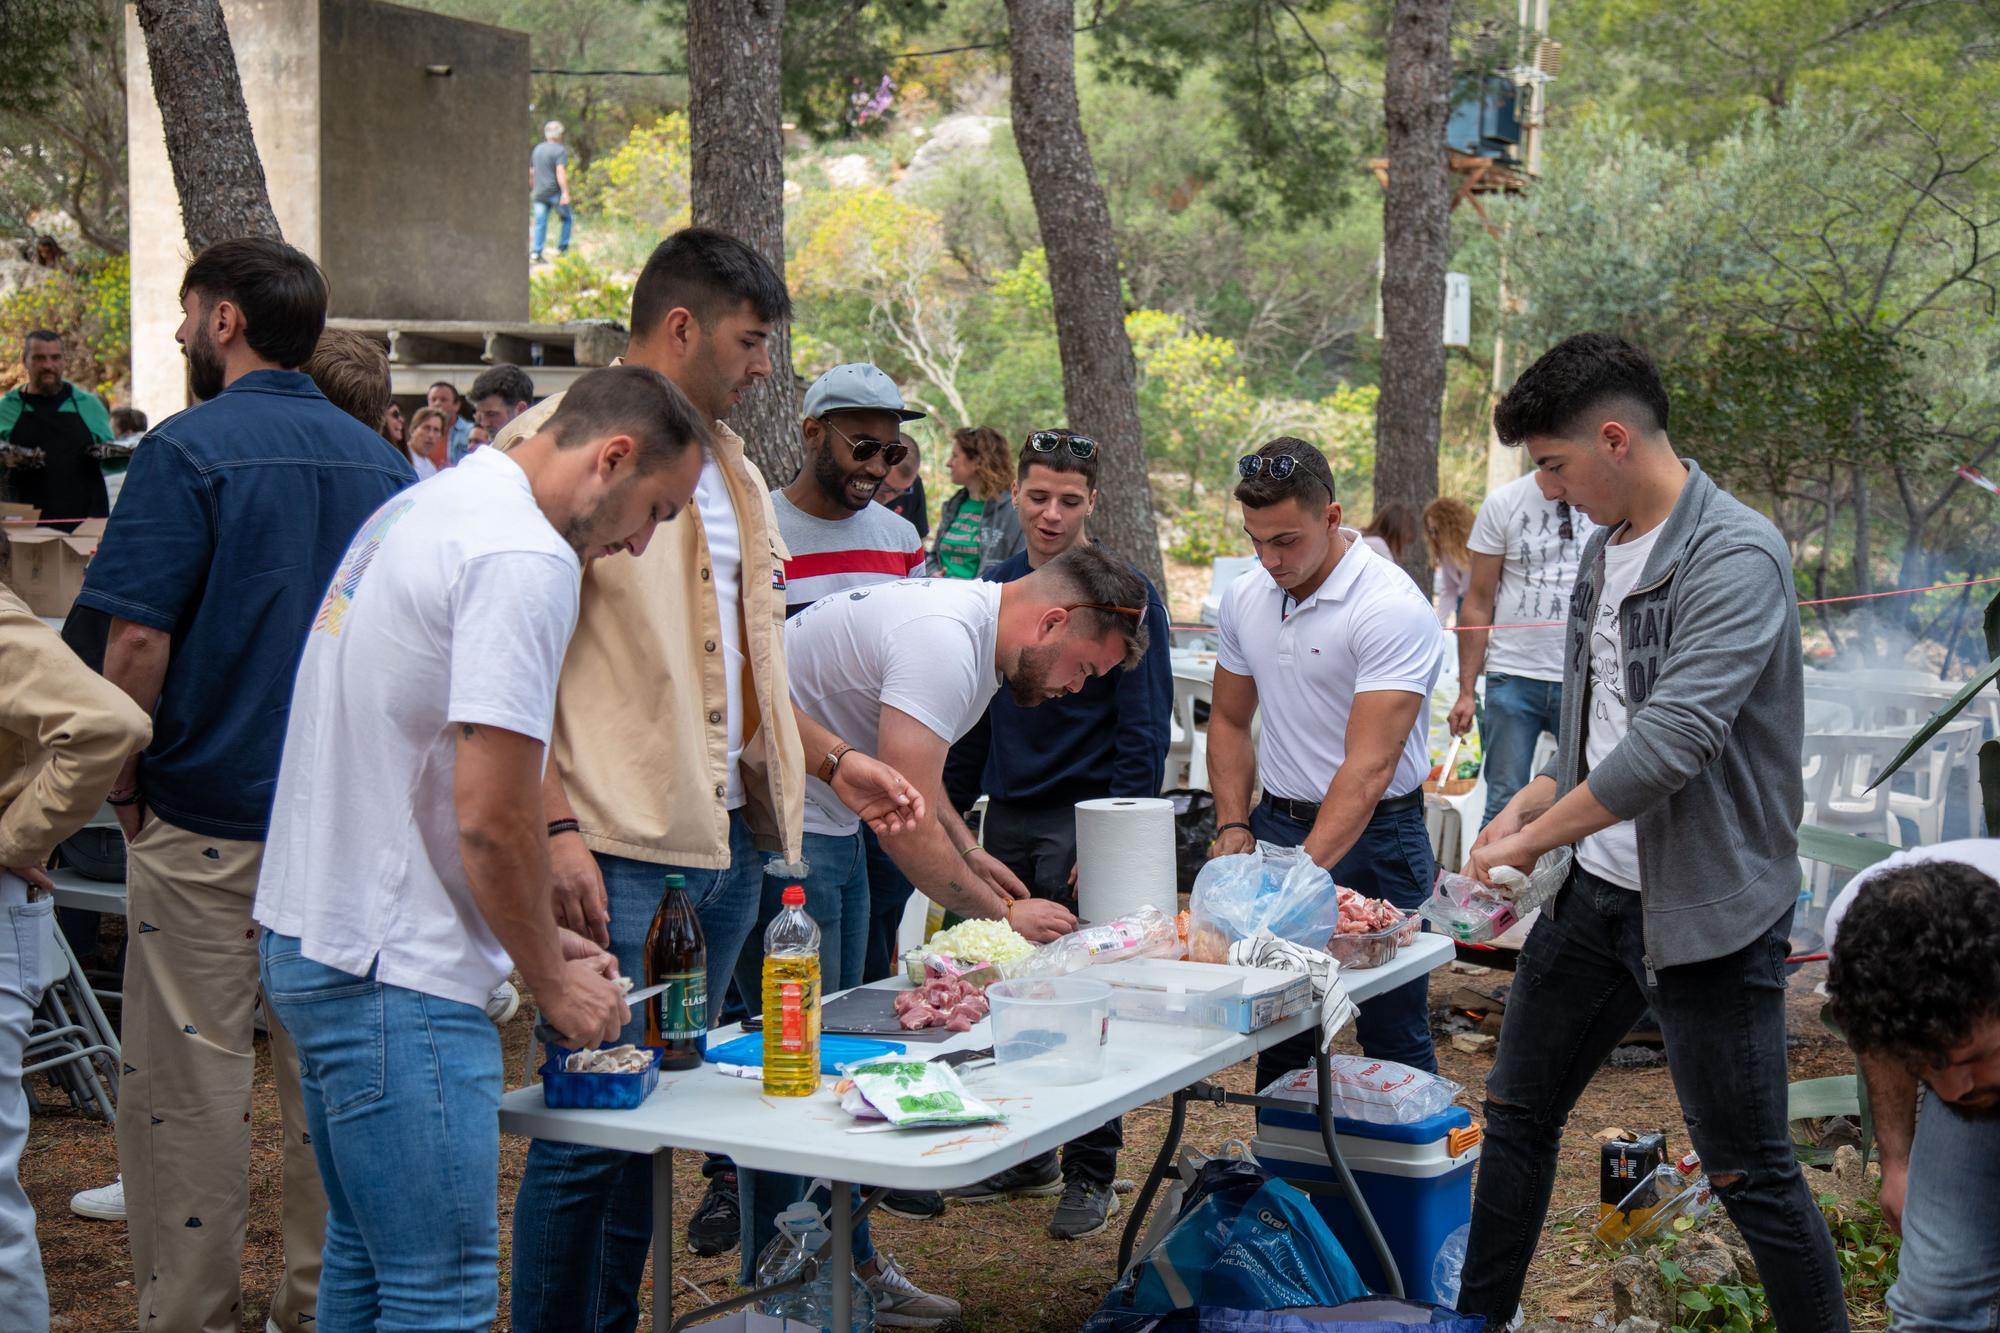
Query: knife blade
{"x": 643, "y": 994}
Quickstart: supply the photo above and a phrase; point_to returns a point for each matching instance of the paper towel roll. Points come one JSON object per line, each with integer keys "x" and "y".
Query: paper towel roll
{"x": 1125, "y": 856}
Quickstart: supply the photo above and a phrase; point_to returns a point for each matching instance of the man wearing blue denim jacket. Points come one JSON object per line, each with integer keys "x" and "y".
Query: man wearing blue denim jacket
{"x": 1678, "y": 785}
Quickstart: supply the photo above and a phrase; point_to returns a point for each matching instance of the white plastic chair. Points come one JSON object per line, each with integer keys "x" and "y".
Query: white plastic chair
{"x": 1838, "y": 767}
{"x": 1187, "y": 747}
{"x": 1920, "y": 788}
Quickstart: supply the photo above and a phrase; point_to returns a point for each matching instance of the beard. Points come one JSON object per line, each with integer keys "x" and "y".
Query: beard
{"x": 1029, "y": 682}
{"x": 204, "y": 367}
{"x": 586, "y": 532}
{"x": 835, "y": 484}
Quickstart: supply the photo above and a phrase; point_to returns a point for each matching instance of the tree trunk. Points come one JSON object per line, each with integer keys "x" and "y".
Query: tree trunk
{"x": 1100, "y": 378}
{"x": 217, "y": 172}
{"x": 1416, "y": 217}
{"x": 737, "y": 183}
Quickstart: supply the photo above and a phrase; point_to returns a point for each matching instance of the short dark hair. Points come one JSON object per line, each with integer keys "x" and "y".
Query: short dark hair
{"x": 511, "y": 383}
{"x": 456, "y": 396}
{"x": 1059, "y": 459}
{"x": 1090, "y": 574}
{"x": 38, "y": 336}
{"x": 1312, "y": 474}
{"x": 352, "y": 370}
{"x": 708, "y": 273}
{"x": 1916, "y": 962}
{"x": 628, "y": 400}
{"x": 1579, "y": 373}
{"x": 128, "y": 420}
{"x": 279, "y": 289}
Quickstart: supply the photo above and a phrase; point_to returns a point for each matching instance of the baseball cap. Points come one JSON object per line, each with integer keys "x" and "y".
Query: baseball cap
{"x": 856, "y": 387}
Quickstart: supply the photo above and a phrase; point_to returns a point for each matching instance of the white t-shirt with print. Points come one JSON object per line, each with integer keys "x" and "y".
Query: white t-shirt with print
{"x": 453, "y": 606}
{"x": 725, "y": 562}
{"x": 925, "y": 646}
{"x": 1537, "y": 570}
{"x": 1612, "y": 853}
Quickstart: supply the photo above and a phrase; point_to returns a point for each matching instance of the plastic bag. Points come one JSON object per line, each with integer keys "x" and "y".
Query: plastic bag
{"x": 1380, "y": 1092}
{"x": 1274, "y": 889}
{"x": 910, "y": 1094}
{"x": 1374, "y": 1314}
{"x": 1145, "y": 933}
{"x": 1194, "y": 831}
{"x": 1448, "y": 1269}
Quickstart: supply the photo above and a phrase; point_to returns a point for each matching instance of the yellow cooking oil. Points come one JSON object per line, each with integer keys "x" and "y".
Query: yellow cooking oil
{"x": 791, "y": 1000}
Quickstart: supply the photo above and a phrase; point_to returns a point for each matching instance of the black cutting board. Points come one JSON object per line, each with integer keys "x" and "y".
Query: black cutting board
{"x": 867, "y": 1011}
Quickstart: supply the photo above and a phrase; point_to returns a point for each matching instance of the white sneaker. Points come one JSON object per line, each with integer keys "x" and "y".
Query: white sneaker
{"x": 105, "y": 1203}
{"x": 503, "y": 1003}
{"x": 900, "y": 1303}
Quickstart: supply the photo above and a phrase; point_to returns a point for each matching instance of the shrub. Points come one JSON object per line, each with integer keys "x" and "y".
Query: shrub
{"x": 91, "y": 306}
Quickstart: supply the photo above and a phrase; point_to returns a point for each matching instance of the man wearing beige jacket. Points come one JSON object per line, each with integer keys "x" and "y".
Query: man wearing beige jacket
{"x": 64, "y": 733}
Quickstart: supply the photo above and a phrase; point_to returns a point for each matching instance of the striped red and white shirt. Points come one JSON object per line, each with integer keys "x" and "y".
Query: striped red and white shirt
{"x": 828, "y": 556}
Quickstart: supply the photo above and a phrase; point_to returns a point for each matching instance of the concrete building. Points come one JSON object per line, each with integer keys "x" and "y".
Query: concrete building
{"x": 395, "y": 147}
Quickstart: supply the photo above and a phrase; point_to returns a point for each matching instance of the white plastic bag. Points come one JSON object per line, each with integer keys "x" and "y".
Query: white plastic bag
{"x": 1380, "y": 1092}
{"x": 1276, "y": 890}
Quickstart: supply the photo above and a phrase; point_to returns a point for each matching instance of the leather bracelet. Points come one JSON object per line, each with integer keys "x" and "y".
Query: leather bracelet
{"x": 1221, "y": 829}
{"x": 121, "y": 801}
{"x": 557, "y": 826}
{"x": 831, "y": 764}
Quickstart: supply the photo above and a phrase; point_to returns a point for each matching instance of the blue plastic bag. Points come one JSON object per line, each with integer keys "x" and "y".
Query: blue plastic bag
{"x": 1247, "y": 1241}
{"x": 1374, "y": 1314}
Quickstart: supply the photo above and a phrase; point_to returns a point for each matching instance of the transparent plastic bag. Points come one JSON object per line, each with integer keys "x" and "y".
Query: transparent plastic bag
{"x": 1380, "y": 1092}
{"x": 1145, "y": 933}
{"x": 1273, "y": 889}
{"x": 1449, "y": 1267}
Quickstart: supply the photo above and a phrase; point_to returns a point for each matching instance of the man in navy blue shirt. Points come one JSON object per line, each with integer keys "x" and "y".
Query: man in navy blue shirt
{"x": 235, "y": 515}
{"x": 1109, "y": 739}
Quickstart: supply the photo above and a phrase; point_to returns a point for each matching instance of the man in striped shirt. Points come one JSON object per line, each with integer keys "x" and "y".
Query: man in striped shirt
{"x": 838, "y": 538}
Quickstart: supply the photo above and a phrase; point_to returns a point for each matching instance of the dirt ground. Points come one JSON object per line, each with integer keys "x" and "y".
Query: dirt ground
{"x": 995, "y": 1258}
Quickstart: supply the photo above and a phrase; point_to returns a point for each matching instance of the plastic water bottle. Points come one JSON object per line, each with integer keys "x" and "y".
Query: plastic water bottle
{"x": 791, "y": 1000}
{"x": 801, "y": 1235}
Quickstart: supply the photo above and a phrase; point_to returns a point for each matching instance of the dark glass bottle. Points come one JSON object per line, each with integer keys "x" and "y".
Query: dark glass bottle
{"x": 676, "y": 953}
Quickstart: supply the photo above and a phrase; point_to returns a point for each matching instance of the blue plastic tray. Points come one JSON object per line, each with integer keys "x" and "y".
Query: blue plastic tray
{"x": 597, "y": 1092}
{"x": 834, "y": 1051}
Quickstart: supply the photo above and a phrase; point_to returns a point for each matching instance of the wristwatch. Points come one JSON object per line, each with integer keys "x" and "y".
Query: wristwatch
{"x": 831, "y": 764}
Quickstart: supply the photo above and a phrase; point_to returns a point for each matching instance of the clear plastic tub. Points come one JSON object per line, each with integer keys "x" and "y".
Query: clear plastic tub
{"x": 1376, "y": 947}
{"x": 1051, "y": 1030}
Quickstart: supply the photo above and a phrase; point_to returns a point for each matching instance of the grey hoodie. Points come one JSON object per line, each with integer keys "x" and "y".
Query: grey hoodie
{"x": 1709, "y": 766}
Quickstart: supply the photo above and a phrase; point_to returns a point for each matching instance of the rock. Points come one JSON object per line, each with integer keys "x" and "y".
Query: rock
{"x": 1852, "y": 1179}
{"x": 1613, "y": 1134}
{"x": 954, "y": 139}
{"x": 1473, "y": 1043}
{"x": 1638, "y": 1325}
{"x": 1706, "y": 1259}
{"x": 850, "y": 171}
{"x": 1469, "y": 970}
{"x": 1638, "y": 1292}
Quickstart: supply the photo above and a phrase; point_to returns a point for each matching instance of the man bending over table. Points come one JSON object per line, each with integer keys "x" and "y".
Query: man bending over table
{"x": 408, "y": 869}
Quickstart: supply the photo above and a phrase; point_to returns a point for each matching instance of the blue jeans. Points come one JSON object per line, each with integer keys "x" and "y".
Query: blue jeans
{"x": 836, "y": 888}
{"x": 1518, "y": 710}
{"x": 1391, "y": 859}
{"x": 1581, "y": 982}
{"x": 889, "y": 891}
{"x": 1949, "y": 1281}
{"x": 27, "y": 960}
{"x": 402, "y": 1094}
{"x": 583, "y": 1220}
{"x": 540, "y": 234}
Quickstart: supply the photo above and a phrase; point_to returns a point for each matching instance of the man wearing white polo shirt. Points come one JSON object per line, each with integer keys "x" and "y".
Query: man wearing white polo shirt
{"x": 1341, "y": 650}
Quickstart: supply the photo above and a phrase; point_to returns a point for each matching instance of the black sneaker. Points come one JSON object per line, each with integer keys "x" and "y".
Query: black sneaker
{"x": 917, "y": 1205}
{"x": 1085, "y": 1210}
{"x": 716, "y": 1227}
{"x": 1038, "y": 1177}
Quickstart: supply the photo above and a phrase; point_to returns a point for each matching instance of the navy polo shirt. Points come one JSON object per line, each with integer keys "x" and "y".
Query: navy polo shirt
{"x": 232, "y": 519}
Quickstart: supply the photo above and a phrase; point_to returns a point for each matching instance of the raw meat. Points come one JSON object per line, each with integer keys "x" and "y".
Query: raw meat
{"x": 1361, "y": 915}
{"x": 942, "y": 1001}
{"x": 917, "y": 1016}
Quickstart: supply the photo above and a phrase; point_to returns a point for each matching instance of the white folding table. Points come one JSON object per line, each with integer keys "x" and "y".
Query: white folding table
{"x": 703, "y": 1111}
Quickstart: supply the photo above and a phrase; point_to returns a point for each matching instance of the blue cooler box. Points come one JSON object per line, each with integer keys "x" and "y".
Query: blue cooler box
{"x": 1417, "y": 1179}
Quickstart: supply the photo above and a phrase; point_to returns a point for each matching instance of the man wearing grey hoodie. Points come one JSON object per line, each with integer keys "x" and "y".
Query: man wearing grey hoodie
{"x": 1677, "y": 784}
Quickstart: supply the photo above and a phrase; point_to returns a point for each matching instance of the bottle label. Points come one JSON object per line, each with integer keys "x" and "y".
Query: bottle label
{"x": 682, "y": 1008}
{"x": 792, "y": 1017}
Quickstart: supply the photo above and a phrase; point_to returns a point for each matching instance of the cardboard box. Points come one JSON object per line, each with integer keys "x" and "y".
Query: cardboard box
{"x": 45, "y": 567}
{"x": 1236, "y": 999}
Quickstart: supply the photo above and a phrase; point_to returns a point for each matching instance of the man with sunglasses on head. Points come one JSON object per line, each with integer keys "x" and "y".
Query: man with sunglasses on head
{"x": 1108, "y": 739}
{"x": 1525, "y": 549}
{"x": 1340, "y": 649}
{"x": 838, "y": 537}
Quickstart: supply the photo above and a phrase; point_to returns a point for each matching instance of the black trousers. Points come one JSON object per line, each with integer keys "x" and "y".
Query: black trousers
{"x": 1037, "y": 841}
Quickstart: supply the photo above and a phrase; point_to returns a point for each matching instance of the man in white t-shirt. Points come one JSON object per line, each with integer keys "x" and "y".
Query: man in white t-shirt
{"x": 1339, "y": 649}
{"x": 903, "y": 670}
{"x": 1915, "y": 984}
{"x": 407, "y": 871}
{"x": 1525, "y": 547}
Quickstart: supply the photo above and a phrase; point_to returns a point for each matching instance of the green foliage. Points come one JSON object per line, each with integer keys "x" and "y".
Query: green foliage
{"x": 643, "y": 182}
{"x": 91, "y": 307}
{"x": 575, "y": 288}
{"x": 1863, "y": 1245}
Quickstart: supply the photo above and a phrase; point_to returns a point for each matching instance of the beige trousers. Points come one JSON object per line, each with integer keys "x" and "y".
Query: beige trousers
{"x": 184, "y": 1099}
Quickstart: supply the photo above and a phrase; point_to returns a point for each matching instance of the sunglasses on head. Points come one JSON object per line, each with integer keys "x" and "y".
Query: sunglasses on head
{"x": 865, "y": 448}
{"x": 1276, "y": 466}
{"x": 1137, "y": 613}
{"x": 1048, "y": 441}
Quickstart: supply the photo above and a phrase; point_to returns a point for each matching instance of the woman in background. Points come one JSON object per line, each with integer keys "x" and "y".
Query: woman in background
{"x": 979, "y": 527}
{"x": 395, "y": 430}
{"x": 1447, "y": 526}
{"x": 1392, "y": 531}
{"x": 427, "y": 436}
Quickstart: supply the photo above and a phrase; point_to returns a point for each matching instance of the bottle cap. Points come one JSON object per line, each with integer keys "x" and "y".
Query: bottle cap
{"x": 676, "y": 882}
{"x": 795, "y": 895}
{"x": 1689, "y": 1164}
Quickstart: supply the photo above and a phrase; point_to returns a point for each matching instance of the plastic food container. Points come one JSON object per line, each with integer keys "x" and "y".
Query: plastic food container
{"x": 1376, "y": 947}
{"x": 1051, "y": 1030}
{"x": 597, "y": 1092}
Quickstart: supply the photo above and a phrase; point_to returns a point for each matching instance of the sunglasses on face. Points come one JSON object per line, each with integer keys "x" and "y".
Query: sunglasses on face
{"x": 1048, "y": 441}
{"x": 865, "y": 448}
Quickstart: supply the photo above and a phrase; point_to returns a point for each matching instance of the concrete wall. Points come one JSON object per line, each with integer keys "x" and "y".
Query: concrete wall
{"x": 409, "y": 189}
{"x": 426, "y": 175}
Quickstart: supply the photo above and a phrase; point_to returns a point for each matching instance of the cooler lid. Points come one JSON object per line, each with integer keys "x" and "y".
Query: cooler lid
{"x": 1428, "y": 1130}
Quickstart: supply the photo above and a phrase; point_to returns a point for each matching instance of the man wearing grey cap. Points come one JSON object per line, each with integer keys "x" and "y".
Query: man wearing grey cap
{"x": 838, "y": 537}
